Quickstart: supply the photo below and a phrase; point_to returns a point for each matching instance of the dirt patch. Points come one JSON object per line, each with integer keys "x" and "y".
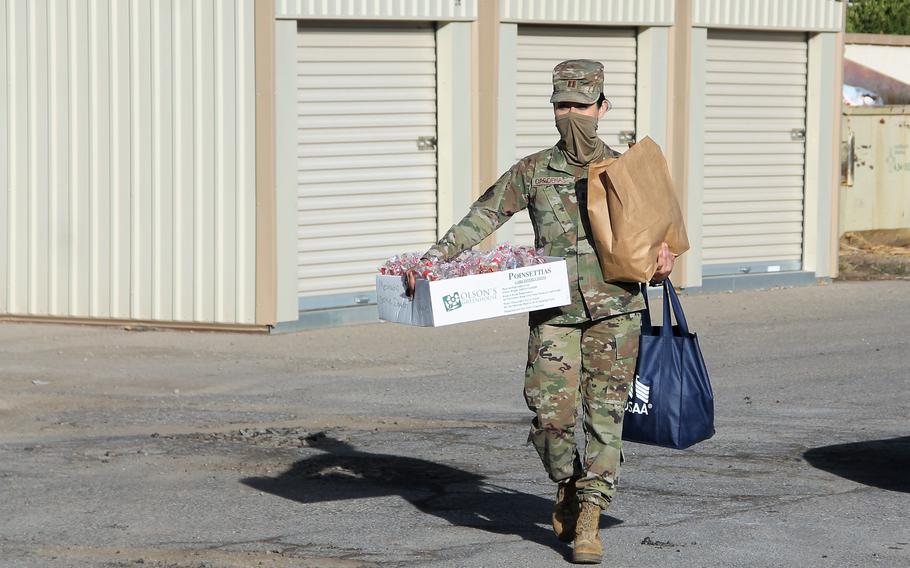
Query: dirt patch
{"x": 875, "y": 255}
{"x": 267, "y": 437}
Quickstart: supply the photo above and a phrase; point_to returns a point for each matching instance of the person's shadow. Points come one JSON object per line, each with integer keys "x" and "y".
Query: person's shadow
{"x": 462, "y": 498}
{"x": 878, "y": 463}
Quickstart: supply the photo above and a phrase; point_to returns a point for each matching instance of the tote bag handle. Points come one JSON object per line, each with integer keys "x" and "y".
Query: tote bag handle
{"x": 670, "y": 298}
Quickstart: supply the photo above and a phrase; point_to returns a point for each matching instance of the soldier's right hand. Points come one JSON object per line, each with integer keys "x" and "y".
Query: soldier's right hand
{"x": 411, "y": 282}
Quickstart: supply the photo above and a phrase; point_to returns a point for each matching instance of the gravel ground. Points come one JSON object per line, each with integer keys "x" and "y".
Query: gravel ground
{"x": 383, "y": 445}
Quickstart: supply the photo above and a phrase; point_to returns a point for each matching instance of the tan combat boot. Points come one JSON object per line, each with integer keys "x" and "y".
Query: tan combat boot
{"x": 565, "y": 512}
{"x": 588, "y": 548}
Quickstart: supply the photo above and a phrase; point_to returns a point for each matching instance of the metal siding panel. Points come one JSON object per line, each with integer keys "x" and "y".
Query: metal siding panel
{"x": 225, "y": 180}
{"x": 120, "y": 159}
{"x": 111, "y": 118}
{"x": 18, "y": 163}
{"x": 246, "y": 166}
{"x": 5, "y": 134}
{"x": 183, "y": 162}
{"x": 588, "y": 12}
{"x": 204, "y": 142}
{"x": 753, "y": 170}
{"x": 142, "y": 167}
{"x": 817, "y": 15}
{"x": 539, "y": 49}
{"x": 162, "y": 218}
{"x": 100, "y": 96}
{"x": 58, "y": 161}
{"x": 80, "y": 161}
{"x": 37, "y": 174}
{"x": 429, "y": 10}
{"x": 345, "y": 200}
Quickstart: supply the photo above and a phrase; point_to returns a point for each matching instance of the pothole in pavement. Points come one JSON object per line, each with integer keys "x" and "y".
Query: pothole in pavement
{"x": 267, "y": 437}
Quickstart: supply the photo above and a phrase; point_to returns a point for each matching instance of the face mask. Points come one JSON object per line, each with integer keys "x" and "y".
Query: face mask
{"x": 579, "y": 134}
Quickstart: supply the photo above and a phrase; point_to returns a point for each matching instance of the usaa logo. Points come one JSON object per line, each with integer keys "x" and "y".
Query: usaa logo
{"x": 452, "y": 301}
{"x": 639, "y": 396}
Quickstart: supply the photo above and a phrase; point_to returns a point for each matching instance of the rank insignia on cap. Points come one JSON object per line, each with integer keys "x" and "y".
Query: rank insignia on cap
{"x": 577, "y": 81}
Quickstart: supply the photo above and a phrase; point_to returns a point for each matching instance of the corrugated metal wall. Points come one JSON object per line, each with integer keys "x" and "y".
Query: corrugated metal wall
{"x": 127, "y": 159}
{"x": 589, "y": 12}
{"x": 820, "y": 15}
{"x": 426, "y": 10}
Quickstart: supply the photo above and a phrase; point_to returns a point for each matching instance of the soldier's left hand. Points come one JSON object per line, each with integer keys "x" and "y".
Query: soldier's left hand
{"x": 665, "y": 262}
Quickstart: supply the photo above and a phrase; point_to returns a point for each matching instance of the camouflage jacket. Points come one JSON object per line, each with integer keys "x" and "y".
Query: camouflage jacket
{"x": 555, "y": 194}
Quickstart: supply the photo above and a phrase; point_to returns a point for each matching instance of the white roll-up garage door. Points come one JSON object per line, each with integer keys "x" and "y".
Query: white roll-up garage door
{"x": 755, "y": 120}
{"x": 366, "y": 155}
{"x": 540, "y": 48}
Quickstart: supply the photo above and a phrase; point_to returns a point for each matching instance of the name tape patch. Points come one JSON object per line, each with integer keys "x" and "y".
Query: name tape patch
{"x": 552, "y": 181}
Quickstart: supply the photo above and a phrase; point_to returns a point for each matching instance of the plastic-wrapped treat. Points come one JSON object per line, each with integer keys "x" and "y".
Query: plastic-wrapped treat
{"x": 503, "y": 257}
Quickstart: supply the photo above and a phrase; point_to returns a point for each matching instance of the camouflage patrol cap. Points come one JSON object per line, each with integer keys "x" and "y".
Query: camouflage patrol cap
{"x": 577, "y": 81}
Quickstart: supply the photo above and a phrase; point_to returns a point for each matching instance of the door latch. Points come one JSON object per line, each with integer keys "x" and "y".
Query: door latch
{"x": 426, "y": 143}
{"x": 627, "y": 137}
{"x": 798, "y": 134}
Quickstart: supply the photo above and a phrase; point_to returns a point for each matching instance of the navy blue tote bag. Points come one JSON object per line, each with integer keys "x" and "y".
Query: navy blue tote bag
{"x": 670, "y": 403}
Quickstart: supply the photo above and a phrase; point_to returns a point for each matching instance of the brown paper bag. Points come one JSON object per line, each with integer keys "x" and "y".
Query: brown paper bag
{"x": 633, "y": 209}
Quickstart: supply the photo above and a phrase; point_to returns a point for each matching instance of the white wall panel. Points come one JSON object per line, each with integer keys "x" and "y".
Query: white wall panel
{"x": 416, "y": 10}
{"x": 4, "y": 156}
{"x": 809, "y": 15}
{"x": 141, "y": 186}
{"x": 204, "y": 152}
{"x": 225, "y": 156}
{"x": 127, "y": 181}
{"x": 163, "y": 161}
{"x": 120, "y": 161}
{"x": 184, "y": 171}
{"x": 245, "y": 166}
{"x": 589, "y": 12}
{"x": 17, "y": 214}
{"x": 38, "y": 144}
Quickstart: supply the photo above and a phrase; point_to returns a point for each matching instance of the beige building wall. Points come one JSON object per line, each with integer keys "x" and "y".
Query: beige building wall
{"x": 127, "y": 160}
{"x": 141, "y": 184}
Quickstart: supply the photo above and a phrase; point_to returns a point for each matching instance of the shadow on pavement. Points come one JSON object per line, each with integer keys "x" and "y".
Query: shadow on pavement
{"x": 878, "y": 463}
{"x": 460, "y": 497}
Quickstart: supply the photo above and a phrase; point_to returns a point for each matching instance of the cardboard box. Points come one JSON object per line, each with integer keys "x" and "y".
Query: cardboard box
{"x": 469, "y": 298}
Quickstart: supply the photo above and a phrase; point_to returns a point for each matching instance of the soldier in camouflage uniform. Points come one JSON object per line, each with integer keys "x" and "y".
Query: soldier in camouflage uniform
{"x": 586, "y": 350}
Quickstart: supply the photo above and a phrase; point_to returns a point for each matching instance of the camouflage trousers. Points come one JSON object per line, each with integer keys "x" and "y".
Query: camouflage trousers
{"x": 594, "y": 362}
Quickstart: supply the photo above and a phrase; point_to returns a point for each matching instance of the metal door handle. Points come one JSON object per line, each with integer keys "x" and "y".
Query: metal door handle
{"x": 426, "y": 143}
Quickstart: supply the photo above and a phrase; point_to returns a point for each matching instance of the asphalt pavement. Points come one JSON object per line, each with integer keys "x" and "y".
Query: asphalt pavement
{"x": 384, "y": 445}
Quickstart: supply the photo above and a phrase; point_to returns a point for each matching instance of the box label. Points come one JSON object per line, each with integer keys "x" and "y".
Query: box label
{"x": 476, "y": 297}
